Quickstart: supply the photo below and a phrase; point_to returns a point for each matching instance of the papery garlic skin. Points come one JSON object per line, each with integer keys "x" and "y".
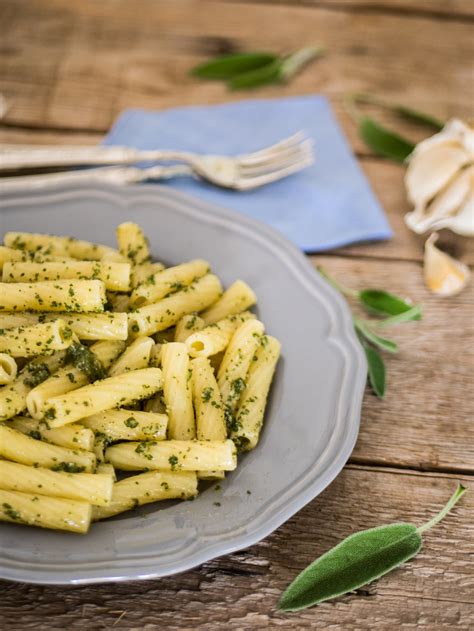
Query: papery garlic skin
{"x": 444, "y": 275}
{"x": 440, "y": 181}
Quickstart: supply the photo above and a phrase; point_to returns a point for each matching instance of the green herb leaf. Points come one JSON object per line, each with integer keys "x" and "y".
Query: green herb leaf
{"x": 270, "y": 73}
{"x": 407, "y": 316}
{"x": 381, "y": 342}
{"x": 228, "y": 66}
{"x": 383, "y": 141}
{"x": 382, "y": 302}
{"x": 358, "y": 560}
{"x": 415, "y": 116}
{"x": 375, "y": 370}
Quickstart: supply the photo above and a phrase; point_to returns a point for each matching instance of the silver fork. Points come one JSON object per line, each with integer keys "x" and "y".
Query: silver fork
{"x": 242, "y": 172}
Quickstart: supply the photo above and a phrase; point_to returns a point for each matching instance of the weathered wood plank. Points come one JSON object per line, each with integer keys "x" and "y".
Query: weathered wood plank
{"x": 80, "y": 64}
{"x": 440, "y": 9}
{"x": 425, "y": 420}
{"x": 240, "y": 591}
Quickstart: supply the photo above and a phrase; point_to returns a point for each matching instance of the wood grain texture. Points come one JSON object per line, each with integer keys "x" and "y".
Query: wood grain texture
{"x": 425, "y": 420}
{"x": 240, "y": 591}
{"x": 80, "y": 63}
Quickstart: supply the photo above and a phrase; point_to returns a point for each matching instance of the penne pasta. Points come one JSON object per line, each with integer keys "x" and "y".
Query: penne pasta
{"x": 13, "y": 396}
{"x": 177, "y": 391}
{"x": 168, "y": 281}
{"x": 88, "y": 487}
{"x": 166, "y": 313}
{"x": 145, "y": 488}
{"x": 215, "y": 338}
{"x": 188, "y": 325}
{"x": 236, "y": 362}
{"x": 20, "y": 448}
{"x": 132, "y": 243}
{"x": 237, "y": 298}
{"x": 174, "y": 455}
{"x": 70, "y": 377}
{"x": 57, "y": 246}
{"x": 115, "y": 276}
{"x": 103, "y": 395}
{"x": 127, "y": 425}
{"x": 143, "y": 273}
{"x": 39, "y": 339}
{"x": 87, "y": 326}
{"x": 72, "y": 436}
{"x": 45, "y": 512}
{"x": 8, "y": 369}
{"x": 134, "y": 357}
{"x": 245, "y": 430}
{"x": 60, "y": 295}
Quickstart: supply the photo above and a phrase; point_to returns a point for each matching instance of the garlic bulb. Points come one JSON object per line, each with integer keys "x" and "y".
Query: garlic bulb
{"x": 440, "y": 181}
{"x": 444, "y": 275}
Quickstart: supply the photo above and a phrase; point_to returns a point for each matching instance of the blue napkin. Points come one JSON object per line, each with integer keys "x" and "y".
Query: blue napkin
{"x": 328, "y": 205}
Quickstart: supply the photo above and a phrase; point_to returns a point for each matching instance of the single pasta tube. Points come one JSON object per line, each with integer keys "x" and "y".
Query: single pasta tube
{"x": 166, "y": 313}
{"x": 168, "y": 282}
{"x": 128, "y": 425}
{"x": 87, "y": 326}
{"x": 250, "y": 413}
{"x": 143, "y": 273}
{"x": 87, "y": 487}
{"x": 56, "y": 246}
{"x": 174, "y": 455}
{"x": 236, "y": 362}
{"x": 210, "y": 418}
{"x": 188, "y": 325}
{"x": 115, "y": 276}
{"x": 177, "y": 392}
{"x": 120, "y": 303}
{"x": 69, "y": 378}
{"x": 8, "y": 369}
{"x": 215, "y": 338}
{"x": 26, "y": 450}
{"x": 134, "y": 357}
{"x": 103, "y": 395}
{"x": 132, "y": 243}
{"x": 13, "y": 395}
{"x": 107, "y": 468}
{"x": 145, "y": 488}
{"x": 72, "y": 436}
{"x": 45, "y": 512}
{"x": 39, "y": 339}
{"x": 59, "y": 295}
{"x": 238, "y": 297}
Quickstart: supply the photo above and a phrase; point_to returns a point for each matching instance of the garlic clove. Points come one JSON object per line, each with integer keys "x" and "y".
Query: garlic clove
{"x": 463, "y": 221}
{"x": 455, "y": 131}
{"x": 448, "y": 202}
{"x": 432, "y": 170}
{"x": 444, "y": 275}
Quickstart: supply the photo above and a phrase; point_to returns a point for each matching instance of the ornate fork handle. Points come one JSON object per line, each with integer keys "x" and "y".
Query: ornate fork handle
{"x": 23, "y": 156}
{"x": 113, "y": 175}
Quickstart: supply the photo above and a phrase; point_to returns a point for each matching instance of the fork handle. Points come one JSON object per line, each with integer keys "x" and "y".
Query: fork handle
{"x": 112, "y": 175}
{"x": 30, "y": 156}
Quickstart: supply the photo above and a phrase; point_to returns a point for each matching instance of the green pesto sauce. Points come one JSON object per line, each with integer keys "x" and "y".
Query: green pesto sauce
{"x": 37, "y": 373}
{"x": 85, "y": 360}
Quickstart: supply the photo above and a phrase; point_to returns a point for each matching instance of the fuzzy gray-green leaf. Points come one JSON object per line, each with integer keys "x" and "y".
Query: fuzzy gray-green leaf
{"x": 356, "y": 561}
{"x": 383, "y": 141}
{"x": 382, "y": 302}
{"x": 381, "y": 342}
{"x": 375, "y": 370}
{"x": 228, "y": 66}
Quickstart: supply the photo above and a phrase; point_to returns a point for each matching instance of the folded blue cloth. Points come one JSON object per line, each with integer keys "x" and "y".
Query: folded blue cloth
{"x": 328, "y": 205}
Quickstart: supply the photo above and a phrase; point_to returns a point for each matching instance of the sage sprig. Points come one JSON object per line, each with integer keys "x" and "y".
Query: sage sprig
{"x": 361, "y": 558}
{"x": 253, "y": 69}
{"x": 391, "y": 310}
{"x": 381, "y": 140}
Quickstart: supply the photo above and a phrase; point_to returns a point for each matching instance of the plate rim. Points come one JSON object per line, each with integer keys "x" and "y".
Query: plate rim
{"x": 340, "y": 333}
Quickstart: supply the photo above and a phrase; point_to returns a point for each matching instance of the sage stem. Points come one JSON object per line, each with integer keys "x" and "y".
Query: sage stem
{"x": 459, "y": 492}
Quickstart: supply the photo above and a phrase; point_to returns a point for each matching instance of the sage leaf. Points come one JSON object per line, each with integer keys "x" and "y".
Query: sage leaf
{"x": 383, "y": 141}
{"x": 382, "y": 302}
{"x": 381, "y": 342}
{"x": 361, "y": 558}
{"x": 375, "y": 370}
{"x": 271, "y": 73}
{"x": 415, "y": 116}
{"x": 407, "y": 316}
{"x": 228, "y": 66}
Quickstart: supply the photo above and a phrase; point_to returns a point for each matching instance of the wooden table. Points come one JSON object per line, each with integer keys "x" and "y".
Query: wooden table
{"x": 67, "y": 69}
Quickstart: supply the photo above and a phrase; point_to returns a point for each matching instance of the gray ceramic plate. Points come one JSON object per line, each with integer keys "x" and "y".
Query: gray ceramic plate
{"x": 312, "y": 417}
